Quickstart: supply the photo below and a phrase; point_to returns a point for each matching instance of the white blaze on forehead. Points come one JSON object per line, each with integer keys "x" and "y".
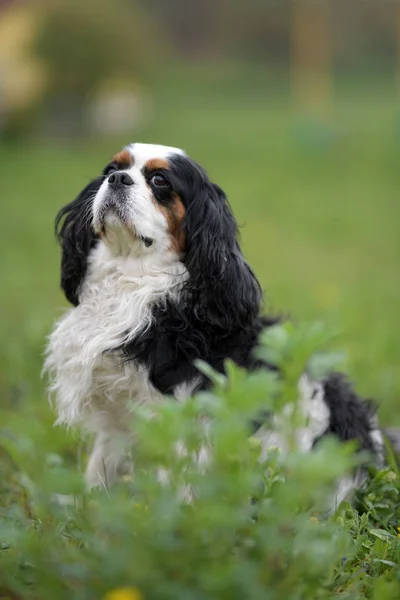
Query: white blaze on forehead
{"x": 143, "y": 152}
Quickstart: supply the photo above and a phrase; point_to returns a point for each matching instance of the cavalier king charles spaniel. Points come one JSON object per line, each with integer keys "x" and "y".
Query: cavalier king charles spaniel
{"x": 152, "y": 266}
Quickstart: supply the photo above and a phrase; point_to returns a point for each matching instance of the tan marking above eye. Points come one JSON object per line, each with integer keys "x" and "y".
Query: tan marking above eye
{"x": 124, "y": 159}
{"x": 156, "y": 163}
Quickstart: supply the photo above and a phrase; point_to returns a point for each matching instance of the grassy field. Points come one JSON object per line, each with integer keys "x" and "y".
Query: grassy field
{"x": 320, "y": 221}
{"x": 319, "y": 212}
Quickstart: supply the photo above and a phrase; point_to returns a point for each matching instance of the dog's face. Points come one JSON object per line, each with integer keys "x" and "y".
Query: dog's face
{"x": 138, "y": 206}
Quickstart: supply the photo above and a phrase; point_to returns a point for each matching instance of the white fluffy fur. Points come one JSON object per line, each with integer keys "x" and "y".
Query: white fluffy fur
{"x": 95, "y": 388}
{"x": 313, "y": 412}
{"x": 316, "y": 416}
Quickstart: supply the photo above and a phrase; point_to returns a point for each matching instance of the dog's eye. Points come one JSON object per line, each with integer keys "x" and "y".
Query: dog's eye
{"x": 159, "y": 181}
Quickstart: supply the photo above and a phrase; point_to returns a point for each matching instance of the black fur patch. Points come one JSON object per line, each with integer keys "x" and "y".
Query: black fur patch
{"x": 217, "y": 315}
{"x": 74, "y": 231}
{"x": 351, "y": 416}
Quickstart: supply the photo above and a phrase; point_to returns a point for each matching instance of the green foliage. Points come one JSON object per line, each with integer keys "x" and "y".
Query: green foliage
{"x": 86, "y": 49}
{"x": 229, "y": 528}
{"x": 84, "y": 43}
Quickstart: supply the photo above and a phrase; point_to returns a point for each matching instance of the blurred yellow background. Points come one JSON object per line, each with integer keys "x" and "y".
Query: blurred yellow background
{"x": 291, "y": 106}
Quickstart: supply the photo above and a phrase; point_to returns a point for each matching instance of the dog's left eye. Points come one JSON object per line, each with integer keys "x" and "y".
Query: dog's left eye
{"x": 159, "y": 181}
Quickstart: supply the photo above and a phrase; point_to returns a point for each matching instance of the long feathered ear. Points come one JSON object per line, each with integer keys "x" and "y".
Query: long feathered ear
{"x": 74, "y": 231}
{"x": 226, "y": 290}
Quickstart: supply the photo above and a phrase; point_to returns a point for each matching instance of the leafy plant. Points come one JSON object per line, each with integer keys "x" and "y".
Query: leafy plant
{"x": 202, "y": 518}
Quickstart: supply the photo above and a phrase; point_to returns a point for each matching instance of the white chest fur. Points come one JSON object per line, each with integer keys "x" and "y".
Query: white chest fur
{"x": 90, "y": 382}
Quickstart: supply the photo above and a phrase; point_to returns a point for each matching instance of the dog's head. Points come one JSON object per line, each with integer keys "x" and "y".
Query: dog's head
{"x": 154, "y": 202}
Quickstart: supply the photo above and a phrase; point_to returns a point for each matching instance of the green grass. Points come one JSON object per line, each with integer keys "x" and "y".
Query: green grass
{"x": 320, "y": 226}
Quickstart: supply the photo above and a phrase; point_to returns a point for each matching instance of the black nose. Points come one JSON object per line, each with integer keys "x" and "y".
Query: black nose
{"x": 118, "y": 180}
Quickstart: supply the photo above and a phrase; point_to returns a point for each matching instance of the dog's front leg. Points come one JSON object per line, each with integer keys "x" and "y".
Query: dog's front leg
{"x": 109, "y": 459}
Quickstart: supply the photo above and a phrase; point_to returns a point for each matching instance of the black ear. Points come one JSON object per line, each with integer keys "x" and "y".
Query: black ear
{"x": 226, "y": 289}
{"x": 76, "y": 236}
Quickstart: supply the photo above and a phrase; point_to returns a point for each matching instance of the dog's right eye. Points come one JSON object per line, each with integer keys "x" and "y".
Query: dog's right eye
{"x": 159, "y": 181}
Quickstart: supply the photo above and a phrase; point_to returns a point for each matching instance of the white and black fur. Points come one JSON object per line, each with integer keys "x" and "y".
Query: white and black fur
{"x": 152, "y": 266}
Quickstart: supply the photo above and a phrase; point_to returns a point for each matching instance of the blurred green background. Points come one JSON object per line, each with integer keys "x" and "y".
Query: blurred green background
{"x": 291, "y": 106}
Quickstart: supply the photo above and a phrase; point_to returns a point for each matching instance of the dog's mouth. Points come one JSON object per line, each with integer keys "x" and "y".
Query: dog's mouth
{"x": 114, "y": 214}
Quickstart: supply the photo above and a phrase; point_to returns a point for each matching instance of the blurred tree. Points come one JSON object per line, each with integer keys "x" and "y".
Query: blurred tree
{"x": 364, "y": 33}
{"x": 21, "y": 76}
{"x": 312, "y": 70}
{"x": 255, "y": 29}
{"x": 260, "y": 30}
{"x": 82, "y": 44}
{"x": 312, "y": 55}
{"x": 193, "y": 26}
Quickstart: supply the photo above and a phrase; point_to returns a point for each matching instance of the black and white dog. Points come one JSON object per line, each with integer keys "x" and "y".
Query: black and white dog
{"x": 157, "y": 279}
